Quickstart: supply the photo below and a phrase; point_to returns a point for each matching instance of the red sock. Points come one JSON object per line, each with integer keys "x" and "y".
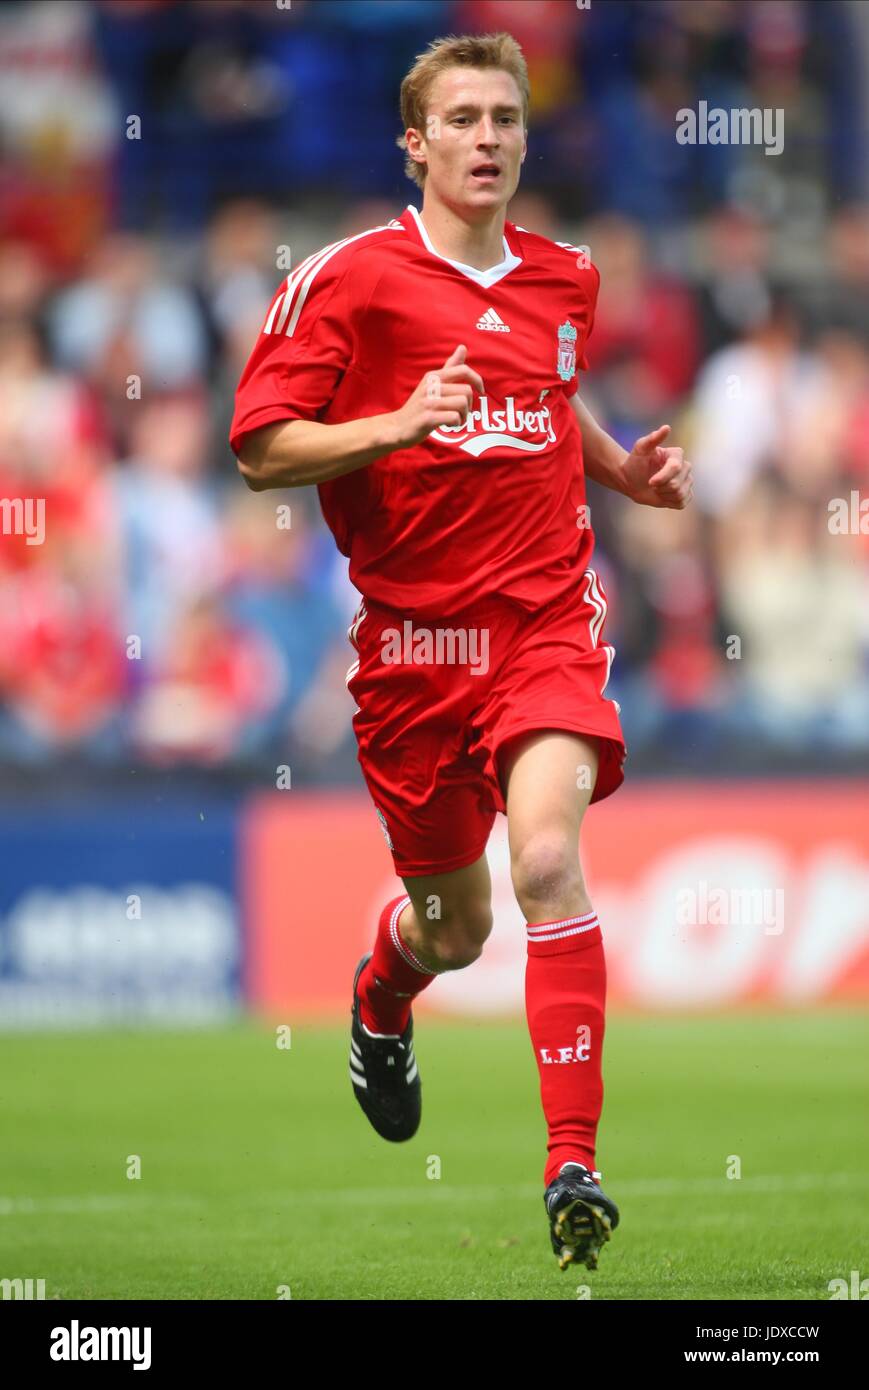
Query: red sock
{"x": 392, "y": 978}
{"x": 565, "y": 997}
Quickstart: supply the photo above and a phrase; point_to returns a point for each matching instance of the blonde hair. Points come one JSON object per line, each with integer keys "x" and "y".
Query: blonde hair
{"x": 468, "y": 51}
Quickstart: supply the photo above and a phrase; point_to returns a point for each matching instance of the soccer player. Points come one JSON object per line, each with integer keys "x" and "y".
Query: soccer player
{"x": 424, "y": 375}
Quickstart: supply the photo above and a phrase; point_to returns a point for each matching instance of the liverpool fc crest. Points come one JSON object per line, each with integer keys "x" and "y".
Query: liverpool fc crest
{"x": 566, "y": 350}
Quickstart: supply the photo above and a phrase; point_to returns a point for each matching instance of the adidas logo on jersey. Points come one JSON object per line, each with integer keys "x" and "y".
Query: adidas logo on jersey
{"x": 492, "y": 322}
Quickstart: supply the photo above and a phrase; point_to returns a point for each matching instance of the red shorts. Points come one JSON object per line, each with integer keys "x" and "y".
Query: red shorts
{"x": 438, "y": 701}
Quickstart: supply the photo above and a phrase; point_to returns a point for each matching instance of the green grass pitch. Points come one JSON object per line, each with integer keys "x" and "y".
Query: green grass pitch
{"x": 260, "y": 1174}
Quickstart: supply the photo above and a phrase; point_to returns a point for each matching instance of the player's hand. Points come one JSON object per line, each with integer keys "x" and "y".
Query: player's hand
{"x": 658, "y": 476}
{"x": 443, "y": 397}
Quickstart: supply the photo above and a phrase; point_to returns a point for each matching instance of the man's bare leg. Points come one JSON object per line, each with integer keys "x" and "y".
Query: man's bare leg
{"x": 549, "y": 777}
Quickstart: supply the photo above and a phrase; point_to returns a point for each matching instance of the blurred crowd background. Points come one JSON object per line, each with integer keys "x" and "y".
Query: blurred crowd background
{"x": 155, "y": 157}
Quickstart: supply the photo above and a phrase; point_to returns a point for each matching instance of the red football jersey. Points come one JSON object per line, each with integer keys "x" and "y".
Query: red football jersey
{"x": 495, "y": 505}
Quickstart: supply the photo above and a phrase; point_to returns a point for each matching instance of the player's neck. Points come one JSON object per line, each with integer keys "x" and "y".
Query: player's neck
{"x": 477, "y": 244}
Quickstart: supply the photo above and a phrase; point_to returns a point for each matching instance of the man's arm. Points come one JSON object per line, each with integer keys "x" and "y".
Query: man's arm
{"x": 650, "y": 473}
{"x": 294, "y": 453}
{"x": 603, "y": 459}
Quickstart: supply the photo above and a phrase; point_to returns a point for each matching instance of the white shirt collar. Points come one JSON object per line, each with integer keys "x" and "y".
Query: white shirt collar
{"x": 485, "y": 278}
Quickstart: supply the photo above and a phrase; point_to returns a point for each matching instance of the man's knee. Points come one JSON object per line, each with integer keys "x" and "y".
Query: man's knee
{"x": 455, "y": 934}
{"x": 545, "y": 868}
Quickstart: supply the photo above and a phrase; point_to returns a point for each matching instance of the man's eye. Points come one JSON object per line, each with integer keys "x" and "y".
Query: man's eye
{"x": 462, "y": 120}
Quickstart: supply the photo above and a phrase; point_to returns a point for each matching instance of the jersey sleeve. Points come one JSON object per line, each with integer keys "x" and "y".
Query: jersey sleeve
{"x": 305, "y": 348}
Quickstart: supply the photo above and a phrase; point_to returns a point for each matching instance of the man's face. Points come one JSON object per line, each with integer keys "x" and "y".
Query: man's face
{"x": 474, "y": 141}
